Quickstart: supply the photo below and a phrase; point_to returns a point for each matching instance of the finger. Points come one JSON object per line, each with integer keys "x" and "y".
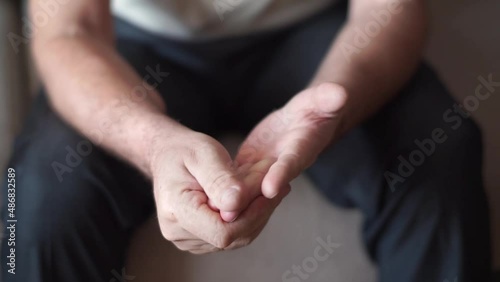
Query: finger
{"x": 205, "y": 249}
{"x": 173, "y": 232}
{"x": 213, "y": 168}
{"x": 282, "y": 172}
{"x": 328, "y": 99}
{"x": 229, "y": 216}
{"x": 325, "y": 100}
{"x": 254, "y": 174}
{"x": 253, "y": 220}
{"x": 247, "y": 153}
{"x": 196, "y": 217}
{"x": 184, "y": 212}
{"x": 261, "y": 208}
{"x": 195, "y": 246}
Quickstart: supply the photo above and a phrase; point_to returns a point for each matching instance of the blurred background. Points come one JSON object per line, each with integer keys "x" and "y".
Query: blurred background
{"x": 464, "y": 44}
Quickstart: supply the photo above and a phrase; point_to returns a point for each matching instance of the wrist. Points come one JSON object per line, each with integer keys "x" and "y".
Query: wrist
{"x": 158, "y": 133}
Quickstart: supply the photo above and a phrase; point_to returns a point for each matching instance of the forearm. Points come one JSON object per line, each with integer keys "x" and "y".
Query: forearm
{"x": 372, "y": 73}
{"x": 92, "y": 88}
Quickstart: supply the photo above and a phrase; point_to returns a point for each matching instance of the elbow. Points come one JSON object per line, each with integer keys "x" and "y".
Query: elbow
{"x": 49, "y": 43}
{"x": 45, "y": 45}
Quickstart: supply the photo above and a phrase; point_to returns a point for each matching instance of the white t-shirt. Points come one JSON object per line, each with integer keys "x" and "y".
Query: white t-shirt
{"x": 203, "y": 19}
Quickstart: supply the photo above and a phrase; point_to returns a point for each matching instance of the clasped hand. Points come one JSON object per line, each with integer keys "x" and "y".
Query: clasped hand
{"x": 208, "y": 202}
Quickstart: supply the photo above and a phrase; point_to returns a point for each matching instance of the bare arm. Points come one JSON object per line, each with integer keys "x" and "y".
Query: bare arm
{"x": 91, "y": 86}
{"x": 375, "y": 54}
{"x": 87, "y": 82}
{"x": 365, "y": 67}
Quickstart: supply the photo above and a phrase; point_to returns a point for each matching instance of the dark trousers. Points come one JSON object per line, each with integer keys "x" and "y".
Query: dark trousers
{"x": 414, "y": 169}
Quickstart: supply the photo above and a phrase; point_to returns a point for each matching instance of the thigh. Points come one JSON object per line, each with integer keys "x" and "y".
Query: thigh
{"x": 415, "y": 138}
{"x": 415, "y": 171}
{"x": 76, "y": 205}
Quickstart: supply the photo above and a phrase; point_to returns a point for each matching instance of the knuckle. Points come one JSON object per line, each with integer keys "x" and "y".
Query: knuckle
{"x": 201, "y": 147}
{"x": 204, "y": 146}
{"x": 168, "y": 233}
{"x": 243, "y": 242}
{"x": 191, "y": 157}
{"x": 197, "y": 249}
{"x": 204, "y": 250}
{"x": 166, "y": 211}
{"x": 220, "y": 179}
{"x": 223, "y": 241}
{"x": 181, "y": 246}
{"x": 240, "y": 243}
{"x": 292, "y": 160}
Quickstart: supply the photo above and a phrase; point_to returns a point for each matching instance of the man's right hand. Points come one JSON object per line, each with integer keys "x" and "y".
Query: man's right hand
{"x": 194, "y": 179}
{"x": 87, "y": 81}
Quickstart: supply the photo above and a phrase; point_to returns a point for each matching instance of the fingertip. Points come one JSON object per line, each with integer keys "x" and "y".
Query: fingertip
{"x": 270, "y": 189}
{"x": 229, "y": 216}
{"x": 273, "y": 181}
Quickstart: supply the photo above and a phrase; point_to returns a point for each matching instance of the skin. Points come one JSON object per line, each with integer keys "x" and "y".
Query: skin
{"x": 206, "y": 201}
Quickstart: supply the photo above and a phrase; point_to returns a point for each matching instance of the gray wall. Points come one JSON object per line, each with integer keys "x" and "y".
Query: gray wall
{"x": 465, "y": 44}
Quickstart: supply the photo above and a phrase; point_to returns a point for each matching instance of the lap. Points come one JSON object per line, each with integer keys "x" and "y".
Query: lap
{"x": 72, "y": 200}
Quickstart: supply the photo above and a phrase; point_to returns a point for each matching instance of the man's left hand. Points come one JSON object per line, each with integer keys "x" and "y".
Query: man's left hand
{"x": 292, "y": 137}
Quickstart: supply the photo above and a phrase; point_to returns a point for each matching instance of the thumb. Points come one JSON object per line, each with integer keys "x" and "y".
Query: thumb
{"x": 253, "y": 176}
{"x": 328, "y": 99}
{"x": 325, "y": 100}
{"x": 213, "y": 168}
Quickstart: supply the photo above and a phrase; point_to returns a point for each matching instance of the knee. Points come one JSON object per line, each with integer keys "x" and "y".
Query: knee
{"x": 453, "y": 174}
{"x": 465, "y": 134}
{"x": 450, "y": 178}
{"x": 445, "y": 155}
{"x": 459, "y": 158}
{"x": 445, "y": 112}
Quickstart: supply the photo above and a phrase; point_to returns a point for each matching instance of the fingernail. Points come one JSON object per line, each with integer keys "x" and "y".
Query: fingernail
{"x": 229, "y": 216}
{"x": 230, "y": 196}
{"x": 273, "y": 195}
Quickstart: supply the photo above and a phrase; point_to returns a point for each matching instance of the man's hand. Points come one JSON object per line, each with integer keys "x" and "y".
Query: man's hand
{"x": 193, "y": 178}
{"x": 292, "y": 137}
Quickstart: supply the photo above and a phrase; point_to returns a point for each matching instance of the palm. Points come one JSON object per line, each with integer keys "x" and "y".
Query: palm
{"x": 292, "y": 137}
